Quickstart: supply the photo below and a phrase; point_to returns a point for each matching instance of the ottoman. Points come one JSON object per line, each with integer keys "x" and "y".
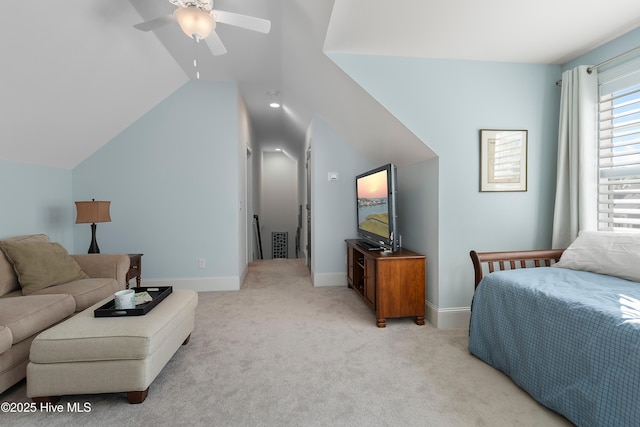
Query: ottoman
{"x": 89, "y": 355}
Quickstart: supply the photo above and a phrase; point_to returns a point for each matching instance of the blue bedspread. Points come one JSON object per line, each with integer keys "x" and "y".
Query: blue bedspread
{"x": 571, "y": 339}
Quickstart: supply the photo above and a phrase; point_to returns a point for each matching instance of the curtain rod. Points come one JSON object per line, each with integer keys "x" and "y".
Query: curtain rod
{"x": 608, "y": 61}
{"x": 615, "y": 58}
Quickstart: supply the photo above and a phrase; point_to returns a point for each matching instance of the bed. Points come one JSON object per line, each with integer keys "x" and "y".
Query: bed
{"x": 562, "y": 330}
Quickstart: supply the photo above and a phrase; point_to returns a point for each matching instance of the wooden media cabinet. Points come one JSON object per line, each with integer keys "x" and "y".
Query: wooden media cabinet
{"x": 391, "y": 284}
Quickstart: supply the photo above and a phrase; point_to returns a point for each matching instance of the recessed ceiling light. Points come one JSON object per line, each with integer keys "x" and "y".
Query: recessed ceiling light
{"x": 274, "y": 105}
{"x": 278, "y": 149}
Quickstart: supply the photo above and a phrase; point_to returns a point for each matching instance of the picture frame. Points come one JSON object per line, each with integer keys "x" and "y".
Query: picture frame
{"x": 503, "y": 160}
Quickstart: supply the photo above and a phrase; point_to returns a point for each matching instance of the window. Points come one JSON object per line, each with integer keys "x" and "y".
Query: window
{"x": 619, "y": 148}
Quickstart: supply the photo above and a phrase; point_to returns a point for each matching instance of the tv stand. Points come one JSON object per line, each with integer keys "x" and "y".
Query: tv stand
{"x": 392, "y": 284}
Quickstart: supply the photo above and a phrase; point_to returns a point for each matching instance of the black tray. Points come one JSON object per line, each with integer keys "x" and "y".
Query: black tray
{"x": 157, "y": 293}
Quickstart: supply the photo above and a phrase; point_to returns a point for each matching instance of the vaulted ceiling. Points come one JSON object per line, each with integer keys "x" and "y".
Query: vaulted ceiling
{"x": 76, "y": 73}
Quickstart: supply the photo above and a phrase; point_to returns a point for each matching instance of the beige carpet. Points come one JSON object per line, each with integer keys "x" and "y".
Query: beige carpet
{"x": 280, "y": 352}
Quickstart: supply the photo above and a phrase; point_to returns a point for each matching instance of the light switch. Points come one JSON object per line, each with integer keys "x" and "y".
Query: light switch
{"x": 333, "y": 176}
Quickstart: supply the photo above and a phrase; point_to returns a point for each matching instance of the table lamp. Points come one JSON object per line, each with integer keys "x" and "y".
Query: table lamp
{"x": 93, "y": 212}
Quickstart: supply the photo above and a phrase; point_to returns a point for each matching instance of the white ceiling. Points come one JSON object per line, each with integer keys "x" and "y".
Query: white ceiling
{"x": 85, "y": 73}
{"x": 541, "y": 31}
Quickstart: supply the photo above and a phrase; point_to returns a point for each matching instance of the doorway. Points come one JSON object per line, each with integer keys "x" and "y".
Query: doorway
{"x": 308, "y": 206}
{"x": 279, "y": 202}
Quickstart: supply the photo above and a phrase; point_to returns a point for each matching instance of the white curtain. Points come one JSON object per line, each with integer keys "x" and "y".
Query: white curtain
{"x": 576, "y": 186}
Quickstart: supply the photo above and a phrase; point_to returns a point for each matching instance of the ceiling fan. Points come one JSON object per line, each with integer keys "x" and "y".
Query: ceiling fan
{"x": 198, "y": 19}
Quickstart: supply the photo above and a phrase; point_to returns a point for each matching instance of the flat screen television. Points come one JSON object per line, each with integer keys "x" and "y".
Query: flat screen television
{"x": 376, "y": 192}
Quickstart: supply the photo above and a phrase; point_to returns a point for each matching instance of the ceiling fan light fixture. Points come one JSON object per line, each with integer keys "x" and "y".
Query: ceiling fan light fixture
{"x": 195, "y": 22}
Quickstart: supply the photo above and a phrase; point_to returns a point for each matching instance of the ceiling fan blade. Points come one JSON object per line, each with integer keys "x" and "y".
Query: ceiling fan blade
{"x": 243, "y": 21}
{"x": 155, "y": 23}
{"x": 215, "y": 44}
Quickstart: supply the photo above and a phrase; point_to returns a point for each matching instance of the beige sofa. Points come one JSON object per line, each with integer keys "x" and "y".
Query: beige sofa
{"x": 23, "y": 317}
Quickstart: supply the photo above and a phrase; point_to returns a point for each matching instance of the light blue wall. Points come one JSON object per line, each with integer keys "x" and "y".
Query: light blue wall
{"x": 418, "y": 208}
{"x": 172, "y": 179}
{"x": 172, "y": 175}
{"x": 36, "y": 199}
{"x": 446, "y": 103}
{"x": 333, "y": 203}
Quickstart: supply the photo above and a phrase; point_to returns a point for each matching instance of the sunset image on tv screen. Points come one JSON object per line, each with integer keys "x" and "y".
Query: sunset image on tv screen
{"x": 373, "y": 213}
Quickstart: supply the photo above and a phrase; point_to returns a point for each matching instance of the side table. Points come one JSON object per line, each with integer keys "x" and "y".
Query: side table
{"x": 135, "y": 269}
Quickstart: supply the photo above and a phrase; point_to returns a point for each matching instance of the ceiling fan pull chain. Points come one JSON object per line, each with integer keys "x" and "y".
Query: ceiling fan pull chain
{"x": 196, "y": 40}
{"x": 195, "y": 53}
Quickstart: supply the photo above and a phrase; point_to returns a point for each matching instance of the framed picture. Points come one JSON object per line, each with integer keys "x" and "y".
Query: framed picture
{"x": 503, "y": 160}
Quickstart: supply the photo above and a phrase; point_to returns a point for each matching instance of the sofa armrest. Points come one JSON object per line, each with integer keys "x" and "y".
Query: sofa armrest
{"x": 114, "y": 266}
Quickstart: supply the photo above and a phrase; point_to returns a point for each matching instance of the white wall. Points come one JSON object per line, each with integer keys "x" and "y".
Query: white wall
{"x": 172, "y": 178}
{"x": 245, "y": 208}
{"x": 279, "y": 200}
{"x": 302, "y": 197}
{"x": 256, "y": 175}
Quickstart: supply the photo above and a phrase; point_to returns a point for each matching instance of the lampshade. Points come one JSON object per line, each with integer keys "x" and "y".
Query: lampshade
{"x": 92, "y": 212}
{"x": 195, "y": 22}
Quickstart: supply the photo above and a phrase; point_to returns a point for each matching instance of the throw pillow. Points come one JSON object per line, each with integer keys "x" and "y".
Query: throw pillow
{"x": 8, "y": 278}
{"x": 39, "y": 265}
{"x": 611, "y": 253}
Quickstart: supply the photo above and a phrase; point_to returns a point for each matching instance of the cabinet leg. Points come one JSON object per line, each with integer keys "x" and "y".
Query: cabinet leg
{"x": 420, "y": 320}
{"x": 381, "y": 323}
{"x": 135, "y": 397}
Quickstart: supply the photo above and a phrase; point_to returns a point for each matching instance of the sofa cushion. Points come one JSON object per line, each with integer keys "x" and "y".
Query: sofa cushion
{"x": 41, "y": 264}
{"x": 86, "y": 292}
{"x": 6, "y": 339}
{"x": 28, "y": 315}
{"x": 8, "y": 278}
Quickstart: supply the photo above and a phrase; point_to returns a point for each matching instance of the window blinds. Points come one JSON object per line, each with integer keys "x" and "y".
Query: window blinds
{"x": 619, "y": 148}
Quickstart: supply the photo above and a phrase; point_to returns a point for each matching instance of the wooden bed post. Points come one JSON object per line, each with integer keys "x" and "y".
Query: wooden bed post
{"x": 515, "y": 259}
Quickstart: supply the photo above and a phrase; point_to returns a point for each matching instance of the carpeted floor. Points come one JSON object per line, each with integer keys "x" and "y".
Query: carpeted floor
{"x": 280, "y": 352}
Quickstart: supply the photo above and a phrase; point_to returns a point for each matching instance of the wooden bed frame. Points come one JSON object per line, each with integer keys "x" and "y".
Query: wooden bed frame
{"x": 512, "y": 260}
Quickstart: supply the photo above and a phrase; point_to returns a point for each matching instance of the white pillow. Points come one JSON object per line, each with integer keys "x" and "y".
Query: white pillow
{"x": 604, "y": 252}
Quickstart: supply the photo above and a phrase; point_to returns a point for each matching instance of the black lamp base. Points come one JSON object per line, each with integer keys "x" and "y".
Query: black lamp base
{"x": 94, "y": 249}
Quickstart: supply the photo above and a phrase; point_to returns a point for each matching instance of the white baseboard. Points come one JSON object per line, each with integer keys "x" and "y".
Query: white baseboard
{"x": 329, "y": 279}
{"x": 200, "y": 284}
{"x": 448, "y": 318}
